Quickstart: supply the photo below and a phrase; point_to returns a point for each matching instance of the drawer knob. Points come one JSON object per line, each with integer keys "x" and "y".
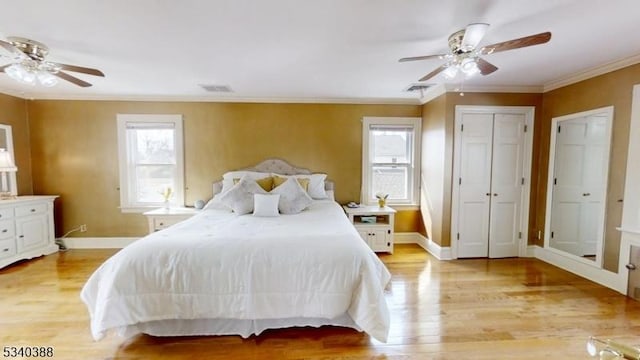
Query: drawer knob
{"x": 33, "y": 210}
{"x": 21, "y": 236}
{"x": 4, "y": 230}
{"x": 161, "y": 223}
{"x": 5, "y": 250}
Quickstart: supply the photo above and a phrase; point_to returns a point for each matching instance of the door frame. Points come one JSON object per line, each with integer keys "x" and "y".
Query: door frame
{"x": 550, "y": 175}
{"x": 528, "y": 112}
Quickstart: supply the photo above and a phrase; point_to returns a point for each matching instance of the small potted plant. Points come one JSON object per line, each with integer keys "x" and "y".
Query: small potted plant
{"x": 382, "y": 199}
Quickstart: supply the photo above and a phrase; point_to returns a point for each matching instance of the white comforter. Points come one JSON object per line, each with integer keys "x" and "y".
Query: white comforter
{"x": 217, "y": 265}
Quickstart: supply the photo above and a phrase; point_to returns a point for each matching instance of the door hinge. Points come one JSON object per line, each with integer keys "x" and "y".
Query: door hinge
{"x": 552, "y": 234}
{"x": 559, "y": 128}
{"x": 461, "y": 127}
{"x": 458, "y": 236}
{"x": 525, "y": 128}
{"x": 459, "y": 181}
{"x": 520, "y": 235}
{"x": 522, "y": 182}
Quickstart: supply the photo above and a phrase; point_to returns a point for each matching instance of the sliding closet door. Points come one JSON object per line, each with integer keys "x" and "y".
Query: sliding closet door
{"x": 506, "y": 184}
{"x": 475, "y": 185}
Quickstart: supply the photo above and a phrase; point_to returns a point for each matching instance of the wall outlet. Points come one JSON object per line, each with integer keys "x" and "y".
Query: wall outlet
{"x": 83, "y": 228}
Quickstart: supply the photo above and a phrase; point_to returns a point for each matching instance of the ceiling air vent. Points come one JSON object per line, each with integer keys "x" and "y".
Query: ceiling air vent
{"x": 216, "y": 88}
{"x": 418, "y": 87}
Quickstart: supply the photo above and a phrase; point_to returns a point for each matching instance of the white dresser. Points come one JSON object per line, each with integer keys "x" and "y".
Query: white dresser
{"x": 26, "y": 228}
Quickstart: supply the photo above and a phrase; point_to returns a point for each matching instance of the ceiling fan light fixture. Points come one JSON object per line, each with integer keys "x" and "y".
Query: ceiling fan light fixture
{"x": 46, "y": 79}
{"x": 450, "y": 72}
{"x": 469, "y": 66}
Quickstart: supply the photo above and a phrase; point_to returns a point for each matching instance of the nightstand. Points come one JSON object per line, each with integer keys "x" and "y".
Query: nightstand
{"x": 163, "y": 218}
{"x": 374, "y": 224}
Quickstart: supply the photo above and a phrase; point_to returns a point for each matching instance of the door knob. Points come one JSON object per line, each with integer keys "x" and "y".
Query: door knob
{"x": 630, "y": 266}
{"x": 586, "y": 194}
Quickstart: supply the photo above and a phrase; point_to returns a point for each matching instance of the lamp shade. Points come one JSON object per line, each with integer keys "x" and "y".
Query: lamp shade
{"x": 6, "y": 164}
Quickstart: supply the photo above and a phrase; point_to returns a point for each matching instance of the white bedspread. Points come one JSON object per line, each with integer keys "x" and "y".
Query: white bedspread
{"x": 217, "y": 265}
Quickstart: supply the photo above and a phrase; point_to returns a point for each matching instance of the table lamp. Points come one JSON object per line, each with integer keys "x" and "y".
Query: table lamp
{"x": 6, "y": 166}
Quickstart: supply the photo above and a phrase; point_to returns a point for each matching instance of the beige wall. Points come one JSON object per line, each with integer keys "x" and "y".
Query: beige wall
{"x": 439, "y": 119}
{"x": 13, "y": 111}
{"x": 432, "y": 170}
{"x": 615, "y": 89}
{"x": 74, "y": 151}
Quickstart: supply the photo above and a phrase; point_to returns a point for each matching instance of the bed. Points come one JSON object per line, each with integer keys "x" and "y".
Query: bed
{"x": 220, "y": 273}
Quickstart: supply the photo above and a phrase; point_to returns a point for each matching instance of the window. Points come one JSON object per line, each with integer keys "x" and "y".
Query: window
{"x": 390, "y": 159}
{"x": 151, "y": 160}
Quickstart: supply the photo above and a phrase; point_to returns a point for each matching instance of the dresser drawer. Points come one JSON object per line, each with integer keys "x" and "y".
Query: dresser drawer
{"x": 31, "y": 209}
{"x": 6, "y": 213}
{"x": 7, "y": 248}
{"x": 7, "y": 229}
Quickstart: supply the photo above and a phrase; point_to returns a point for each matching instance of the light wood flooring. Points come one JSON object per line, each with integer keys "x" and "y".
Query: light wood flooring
{"x": 463, "y": 309}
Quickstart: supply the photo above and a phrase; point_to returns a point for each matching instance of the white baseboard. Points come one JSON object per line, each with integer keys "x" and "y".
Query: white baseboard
{"x": 591, "y": 272}
{"x": 97, "y": 242}
{"x": 440, "y": 253}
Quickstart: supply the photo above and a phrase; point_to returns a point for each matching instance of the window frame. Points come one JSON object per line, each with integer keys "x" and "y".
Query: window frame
{"x": 126, "y": 173}
{"x": 413, "y": 168}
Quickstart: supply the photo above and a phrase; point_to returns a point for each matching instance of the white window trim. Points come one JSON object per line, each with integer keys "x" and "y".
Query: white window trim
{"x": 122, "y": 120}
{"x": 414, "y": 122}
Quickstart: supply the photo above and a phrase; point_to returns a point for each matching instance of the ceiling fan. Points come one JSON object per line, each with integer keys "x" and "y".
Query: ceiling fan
{"x": 465, "y": 55}
{"x": 29, "y": 65}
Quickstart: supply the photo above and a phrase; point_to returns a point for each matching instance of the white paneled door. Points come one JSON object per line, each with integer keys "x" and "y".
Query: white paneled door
{"x": 578, "y": 186}
{"x": 491, "y": 179}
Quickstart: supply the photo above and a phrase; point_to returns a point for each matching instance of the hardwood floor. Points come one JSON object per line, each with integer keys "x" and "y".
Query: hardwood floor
{"x": 463, "y": 309}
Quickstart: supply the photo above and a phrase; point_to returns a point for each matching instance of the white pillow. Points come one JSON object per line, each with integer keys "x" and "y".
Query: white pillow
{"x": 316, "y": 184}
{"x": 293, "y": 198}
{"x": 240, "y": 197}
{"x": 227, "y": 178}
{"x": 266, "y": 205}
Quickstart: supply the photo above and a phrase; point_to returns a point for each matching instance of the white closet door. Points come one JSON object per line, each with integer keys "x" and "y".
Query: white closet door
{"x": 568, "y": 194}
{"x": 475, "y": 185}
{"x": 506, "y": 185}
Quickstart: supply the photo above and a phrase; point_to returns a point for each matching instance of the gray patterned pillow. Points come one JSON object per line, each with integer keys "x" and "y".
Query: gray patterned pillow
{"x": 240, "y": 197}
{"x": 293, "y": 198}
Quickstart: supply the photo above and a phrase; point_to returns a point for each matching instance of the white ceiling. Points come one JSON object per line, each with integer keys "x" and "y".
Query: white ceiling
{"x": 304, "y": 50}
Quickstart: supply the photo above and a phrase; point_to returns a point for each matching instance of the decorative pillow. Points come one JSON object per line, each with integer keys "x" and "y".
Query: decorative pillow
{"x": 279, "y": 180}
{"x": 293, "y": 198}
{"x": 266, "y": 205}
{"x": 316, "y": 184}
{"x": 240, "y": 197}
{"x": 227, "y": 178}
{"x": 265, "y": 183}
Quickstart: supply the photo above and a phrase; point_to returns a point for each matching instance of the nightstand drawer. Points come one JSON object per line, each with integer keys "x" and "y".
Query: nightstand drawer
{"x": 165, "y": 222}
{"x": 31, "y": 209}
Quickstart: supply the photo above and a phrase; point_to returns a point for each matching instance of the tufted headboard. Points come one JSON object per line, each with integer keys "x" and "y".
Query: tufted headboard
{"x": 277, "y": 166}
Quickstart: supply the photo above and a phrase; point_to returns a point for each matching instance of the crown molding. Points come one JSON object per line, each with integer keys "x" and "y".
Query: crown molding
{"x": 590, "y": 73}
{"x": 171, "y": 98}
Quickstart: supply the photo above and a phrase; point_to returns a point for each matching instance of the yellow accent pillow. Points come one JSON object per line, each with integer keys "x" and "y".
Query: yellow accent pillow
{"x": 279, "y": 180}
{"x": 265, "y": 183}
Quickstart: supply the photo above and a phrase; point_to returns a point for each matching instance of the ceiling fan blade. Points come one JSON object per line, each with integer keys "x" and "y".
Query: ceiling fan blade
{"x": 485, "y": 67}
{"x": 473, "y": 34}
{"x": 426, "y": 57}
{"x": 9, "y": 47}
{"x": 517, "y": 43}
{"x": 80, "y": 69}
{"x": 434, "y": 72}
{"x": 72, "y": 79}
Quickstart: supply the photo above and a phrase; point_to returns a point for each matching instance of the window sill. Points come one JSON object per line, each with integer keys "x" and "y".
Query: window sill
{"x": 401, "y": 207}
{"x": 143, "y": 209}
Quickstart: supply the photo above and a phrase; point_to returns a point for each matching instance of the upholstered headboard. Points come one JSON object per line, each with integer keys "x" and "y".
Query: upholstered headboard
{"x": 277, "y": 166}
